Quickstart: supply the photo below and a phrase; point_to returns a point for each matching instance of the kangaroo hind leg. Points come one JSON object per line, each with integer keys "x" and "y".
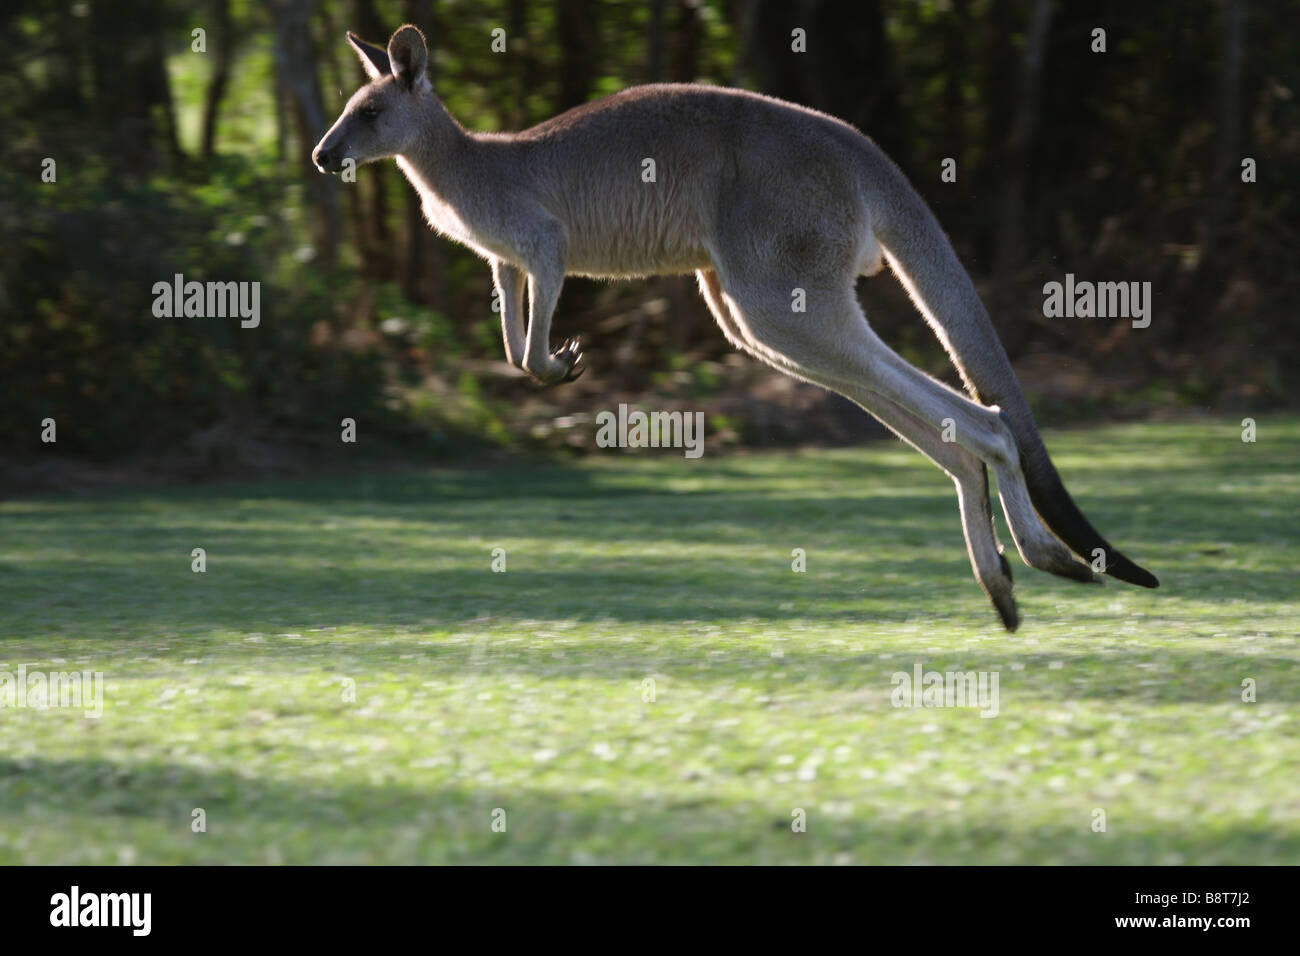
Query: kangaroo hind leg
{"x": 833, "y": 345}
{"x": 967, "y": 471}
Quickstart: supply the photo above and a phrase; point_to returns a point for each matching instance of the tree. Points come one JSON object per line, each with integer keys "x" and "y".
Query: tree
{"x": 222, "y": 51}
{"x": 295, "y": 61}
{"x": 1017, "y": 150}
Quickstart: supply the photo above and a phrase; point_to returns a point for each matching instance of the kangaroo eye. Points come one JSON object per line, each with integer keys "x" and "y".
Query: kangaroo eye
{"x": 369, "y": 112}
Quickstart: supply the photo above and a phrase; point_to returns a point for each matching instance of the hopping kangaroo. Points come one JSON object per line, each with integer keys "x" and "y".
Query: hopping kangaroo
{"x": 758, "y": 198}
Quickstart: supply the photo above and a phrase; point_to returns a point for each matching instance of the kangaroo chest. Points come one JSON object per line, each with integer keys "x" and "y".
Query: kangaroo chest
{"x": 440, "y": 214}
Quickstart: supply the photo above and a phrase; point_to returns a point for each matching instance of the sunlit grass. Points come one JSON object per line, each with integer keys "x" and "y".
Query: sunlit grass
{"x": 633, "y": 577}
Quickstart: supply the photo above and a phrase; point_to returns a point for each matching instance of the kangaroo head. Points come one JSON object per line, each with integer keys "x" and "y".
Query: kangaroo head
{"x": 382, "y": 118}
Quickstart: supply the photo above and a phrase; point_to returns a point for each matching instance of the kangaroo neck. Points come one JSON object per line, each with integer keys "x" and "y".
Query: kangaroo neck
{"x": 439, "y": 153}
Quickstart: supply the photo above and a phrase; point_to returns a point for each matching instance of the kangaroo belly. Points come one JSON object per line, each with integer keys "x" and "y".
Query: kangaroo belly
{"x": 650, "y": 237}
{"x": 634, "y": 260}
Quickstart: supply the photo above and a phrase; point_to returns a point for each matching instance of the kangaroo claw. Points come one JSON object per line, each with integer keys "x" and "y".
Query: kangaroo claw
{"x": 570, "y": 353}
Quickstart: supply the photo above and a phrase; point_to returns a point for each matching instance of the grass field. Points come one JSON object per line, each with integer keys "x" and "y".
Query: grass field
{"x": 349, "y": 681}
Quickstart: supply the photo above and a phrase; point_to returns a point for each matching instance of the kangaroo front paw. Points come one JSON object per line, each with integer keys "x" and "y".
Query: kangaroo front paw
{"x": 561, "y": 365}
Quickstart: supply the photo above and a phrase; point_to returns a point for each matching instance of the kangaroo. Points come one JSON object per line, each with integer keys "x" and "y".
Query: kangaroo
{"x": 759, "y": 198}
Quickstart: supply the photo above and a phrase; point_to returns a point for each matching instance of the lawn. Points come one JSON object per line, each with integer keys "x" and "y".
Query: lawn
{"x": 648, "y": 681}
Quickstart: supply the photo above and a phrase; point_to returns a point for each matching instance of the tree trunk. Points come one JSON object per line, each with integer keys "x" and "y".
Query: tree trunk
{"x": 847, "y": 70}
{"x": 954, "y": 45}
{"x": 1219, "y": 202}
{"x": 131, "y": 88}
{"x": 520, "y": 57}
{"x": 158, "y": 90}
{"x": 1012, "y": 213}
{"x": 576, "y": 29}
{"x": 224, "y": 42}
{"x": 655, "y": 66}
{"x": 295, "y": 61}
{"x": 688, "y": 32}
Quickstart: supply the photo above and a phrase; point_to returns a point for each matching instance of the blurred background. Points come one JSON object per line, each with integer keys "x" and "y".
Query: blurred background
{"x": 1117, "y": 166}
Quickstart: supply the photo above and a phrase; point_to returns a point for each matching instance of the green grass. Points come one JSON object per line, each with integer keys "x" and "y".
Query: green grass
{"x": 524, "y": 690}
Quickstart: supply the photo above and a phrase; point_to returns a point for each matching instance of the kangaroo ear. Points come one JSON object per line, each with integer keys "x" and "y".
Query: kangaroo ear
{"x": 409, "y": 55}
{"x": 373, "y": 58}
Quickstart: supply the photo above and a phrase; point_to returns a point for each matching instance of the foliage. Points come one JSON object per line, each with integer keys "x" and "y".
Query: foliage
{"x": 1121, "y": 165}
{"x": 92, "y": 355}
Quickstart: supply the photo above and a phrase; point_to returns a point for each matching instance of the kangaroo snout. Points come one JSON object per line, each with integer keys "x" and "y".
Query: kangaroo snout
{"x": 326, "y": 160}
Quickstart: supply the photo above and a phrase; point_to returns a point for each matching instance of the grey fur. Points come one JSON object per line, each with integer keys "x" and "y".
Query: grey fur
{"x": 758, "y": 197}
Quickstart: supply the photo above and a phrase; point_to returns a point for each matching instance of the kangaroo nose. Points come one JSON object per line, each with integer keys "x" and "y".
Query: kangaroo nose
{"x": 321, "y": 157}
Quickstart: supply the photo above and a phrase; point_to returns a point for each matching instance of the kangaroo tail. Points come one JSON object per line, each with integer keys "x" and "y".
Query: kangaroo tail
{"x": 924, "y": 260}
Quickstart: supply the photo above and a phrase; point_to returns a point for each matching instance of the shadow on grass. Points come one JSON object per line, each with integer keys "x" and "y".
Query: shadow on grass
{"x": 389, "y": 822}
{"x": 660, "y": 569}
{"x": 650, "y": 542}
